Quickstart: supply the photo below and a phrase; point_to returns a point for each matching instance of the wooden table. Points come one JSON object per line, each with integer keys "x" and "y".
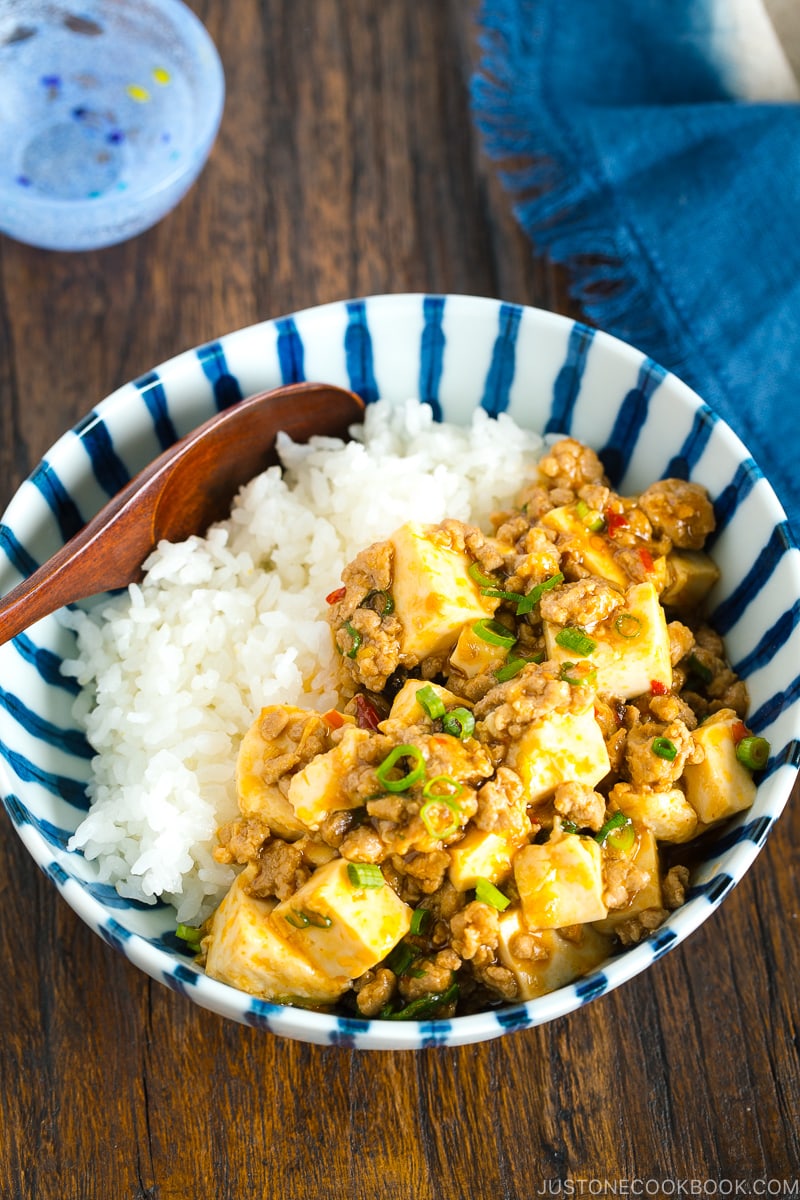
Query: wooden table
{"x": 347, "y": 165}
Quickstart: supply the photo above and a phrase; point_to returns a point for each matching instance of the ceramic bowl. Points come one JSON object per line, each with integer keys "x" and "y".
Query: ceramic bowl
{"x": 453, "y": 352}
{"x": 108, "y": 111}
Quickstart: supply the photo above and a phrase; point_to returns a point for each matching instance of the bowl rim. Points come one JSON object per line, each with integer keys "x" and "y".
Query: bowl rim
{"x": 731, "y": 861}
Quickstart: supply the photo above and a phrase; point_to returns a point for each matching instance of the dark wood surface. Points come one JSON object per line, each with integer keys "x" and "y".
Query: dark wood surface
{"x": 347, "y": 165}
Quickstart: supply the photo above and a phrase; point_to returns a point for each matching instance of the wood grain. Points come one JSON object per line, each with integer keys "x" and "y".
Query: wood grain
{"x": 347, "y": 164}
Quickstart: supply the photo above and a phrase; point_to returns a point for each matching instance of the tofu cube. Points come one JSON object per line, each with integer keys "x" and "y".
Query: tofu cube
{"x": 317, "y": 790}
{"x": 626, "y": 666}
{"x": 245, "y": 950}
{"x": 257, "y": 797}
{"x": 691, "y": 574}
{"x": 473, "y": 656}
{"x": 559, "y": 748}
{"x": 645, "y": 856}
{"x": 480, "y": 855}
{"x": 720, "y": 785}
{"x": 434, "y": 596}
{"x": 407, "y": 711}
{"x": 559, "y": 961}
{"x": 669, "y": 814}
{"x": 352, "y": 928}
{"x": 561, "y": 882}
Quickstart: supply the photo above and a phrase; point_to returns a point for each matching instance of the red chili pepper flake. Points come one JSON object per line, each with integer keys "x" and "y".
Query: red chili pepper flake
{"x": 367, "y": 715}
{"x": 739, "y": 731}
{"x": 335, "y": 596}
{"x": 614, "y": 521}
{"x": 333, "y": 719}
{"x": 646, "y": 559}
{"x": 657, "y": 688}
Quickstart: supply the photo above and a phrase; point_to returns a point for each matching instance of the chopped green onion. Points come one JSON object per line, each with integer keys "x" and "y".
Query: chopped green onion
{"x": 511, "y": 668}
{"x": 415, "y": 775}
{"x": 627, "y": 625}
{"x": 665, "y": 749}
{"x": 568, "y": 826}
{"x": 447, "y": 781}
{"x": 477, "y": 576}
{"x": 571, "y": 638}
{"x": 430, "y": 702}
{"x": 619, "y": 832}
{"x": 387, "y": 602}
{"x": 698, "y": 668}
{"x": 301, "y": 918}
{"x": 355, "y": 638}
{"x": 427, "y": 814}
{"x": 753, "y": 752}
{"x": 420, "y": 920}
{"x": 487, "y": 893}
{"x": 590, "y": 517}
{"x": 517, "y": 597}
{"x": 494, "y": 633}
{"x": 578, "y": 674}
{"x": 367, "y": 875}
{"x": 401, "y": 957}
{"x": 532, "y": 598}
{"x": 422, "y": 1007}
{"x": 459, "y": 722}
{"x": 190, "y": 935}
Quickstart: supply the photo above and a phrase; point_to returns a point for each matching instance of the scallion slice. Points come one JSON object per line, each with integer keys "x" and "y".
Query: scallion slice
{"x": 190, "y": 935}
{"x": 487, "y": 893}
{"x": 477, "y": 576}
{"x": 437, "y": 823}
{"x": 615, "y": 823}
{"x": 627, "y": 625}
{"x": 433, "y": 788}
{"x": 365, "y": 875}
{"x": 422, "y": 1007}
{"x": 401, "y": 957}
{"x": 572, "y": 638}
{"x": 494, "y": 633}
{"x": 578, "y": 674}
{"x": 589, "y": 517}
{"x": 664, "y": 748}
{"x": 402, "y": 783}
{"x": 459, "y": 722}
{"x": 753, "y": 752}
{"x": 511, "y": 668}
{"x": 532, "y": 598}
{"x": 386, "y": 599}
{"x": 430, "y": 702}
{"x": 355, "y": 638}
{"x": 420, "y": 920}
{"x": 301, "y": 918}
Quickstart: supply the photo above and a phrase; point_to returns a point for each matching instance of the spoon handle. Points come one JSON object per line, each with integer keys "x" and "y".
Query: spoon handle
{"x": 183, "y": 491}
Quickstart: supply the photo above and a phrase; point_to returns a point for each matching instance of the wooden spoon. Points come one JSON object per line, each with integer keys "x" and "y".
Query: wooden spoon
{"x": 181, "y": 492}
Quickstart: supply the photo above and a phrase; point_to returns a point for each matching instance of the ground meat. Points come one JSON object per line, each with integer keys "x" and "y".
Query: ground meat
{"x": 499, "y": 979}
{"x": 334, "y": 828}
{"x": 444, "y": 903}
{"x": 280, "y": 870}
{"x": 585, "y": 602}
{"x": 622, "y": 879}
{"x": 363, "y": 845}
{"x": 580, "y": 804}
{"x": 708, "y": 639}
{"x": 483, "y": 550}
{"x": 431, "y": 975}
{"x": 645, "y": 767}
{"x": 571, "y": 465}
{"x": 535, "y": 692}
{"x": 528, "y": 946}
{"x": 378, "y": 655}
{"x": 680, "y": 510}
{"x": 475, "y": 927}
{"x": 671, "y": 708}
{"x": 681, "y": 641}
{"x": 374, "y": 990}
{"x": 241, "y": 840}
{"x": 502, "y": 805}
{"x": 735, "y": 696}
{"x": 635, "y": 928}
{"x": 675, "y": 884}
{"x": 292, "y": 738}
{"x": 427, "y": 869}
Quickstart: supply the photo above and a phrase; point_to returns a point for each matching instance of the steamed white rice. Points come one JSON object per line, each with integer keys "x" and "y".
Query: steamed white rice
{"x": 175, "y": 670}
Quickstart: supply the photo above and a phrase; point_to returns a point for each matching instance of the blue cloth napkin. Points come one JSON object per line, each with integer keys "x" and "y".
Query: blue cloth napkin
{"x": 674, "y": 202}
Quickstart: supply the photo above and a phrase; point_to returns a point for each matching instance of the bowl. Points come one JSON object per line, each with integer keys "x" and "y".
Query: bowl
{"x": 108, "y": 111}
{"x": 455, "y": 353}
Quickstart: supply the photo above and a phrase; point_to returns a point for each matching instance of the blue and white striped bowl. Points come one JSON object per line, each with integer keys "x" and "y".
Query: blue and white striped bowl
{"x": 455, "y": 353}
